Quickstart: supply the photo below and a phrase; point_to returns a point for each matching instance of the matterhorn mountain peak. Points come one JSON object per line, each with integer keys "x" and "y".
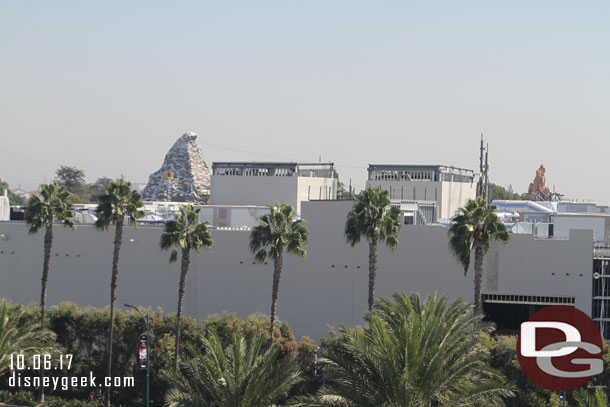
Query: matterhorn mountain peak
{"x": 190, "y": 136}
{"x": 191, "y": 175}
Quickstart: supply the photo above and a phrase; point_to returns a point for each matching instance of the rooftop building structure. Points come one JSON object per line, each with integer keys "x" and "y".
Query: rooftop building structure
{"x": 23, "y": 194}
{"x": 557, "y": 218}
{"x": 265, "y": 183}
{"x": 450, "y": 187}
{"x": 416, "y": 212}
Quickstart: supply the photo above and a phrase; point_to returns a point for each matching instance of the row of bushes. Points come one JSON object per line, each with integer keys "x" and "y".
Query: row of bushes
{"x": 28, "y": 399}
{"x": 83, "y": 332}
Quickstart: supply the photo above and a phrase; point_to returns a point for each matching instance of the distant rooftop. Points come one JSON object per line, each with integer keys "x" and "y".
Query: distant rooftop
{"x": 398, "y": 172}
{"x": 274, "y": 169}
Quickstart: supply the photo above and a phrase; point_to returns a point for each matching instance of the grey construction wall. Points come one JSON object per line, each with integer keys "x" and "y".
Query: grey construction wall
{"x": 328, "y": 288}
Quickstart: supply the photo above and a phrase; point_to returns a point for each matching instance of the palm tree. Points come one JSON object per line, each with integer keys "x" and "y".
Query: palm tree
{"x": 412, "y": 353}
{"x": 276, "y": 231}
{"x": 372, "y": 217}
{"x": 54, "y": 203}
{"x": 187, "y": 233}
{"x": 20, "y": 336}
{"x": 242, "y": 375}
{"x": 585, "y": 398}
{"x": 475, "y": 226}
{"x": 119, "y": 203}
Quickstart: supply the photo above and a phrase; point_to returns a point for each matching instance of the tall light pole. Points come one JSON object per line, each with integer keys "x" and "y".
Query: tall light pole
{"x": 147, "y": 319}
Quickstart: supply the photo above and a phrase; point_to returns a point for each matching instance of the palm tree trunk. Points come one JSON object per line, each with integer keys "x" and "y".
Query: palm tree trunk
{"x": 372, "y": 272}
{"x": 48, "y": 242}
{"x": 277, "y": 270}
{"x": 184, "y": 268}
{"x": 478, "y": 275}
{"x": 118, "y": 237}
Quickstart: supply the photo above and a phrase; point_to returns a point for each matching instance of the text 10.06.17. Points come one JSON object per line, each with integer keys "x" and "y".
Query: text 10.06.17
{"x": 19, "y": 361}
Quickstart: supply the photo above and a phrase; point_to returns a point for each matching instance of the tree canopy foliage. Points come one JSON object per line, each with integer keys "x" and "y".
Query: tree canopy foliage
{"x": 71, "y": 178}
{"x": 501, "y": 193}
{"x": 14, "y": 199}
{"x": 413, "y": 352}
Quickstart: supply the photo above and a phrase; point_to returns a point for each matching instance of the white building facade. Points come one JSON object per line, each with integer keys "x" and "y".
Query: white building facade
{"x": 263, "y": 184}
{"x": 449, "y": 187}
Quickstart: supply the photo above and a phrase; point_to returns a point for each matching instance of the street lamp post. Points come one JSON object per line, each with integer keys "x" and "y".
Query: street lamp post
{"x": 147, "y": 319}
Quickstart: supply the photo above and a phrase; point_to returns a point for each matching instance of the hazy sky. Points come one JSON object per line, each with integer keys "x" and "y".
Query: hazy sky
{"x": 109, "y": 86}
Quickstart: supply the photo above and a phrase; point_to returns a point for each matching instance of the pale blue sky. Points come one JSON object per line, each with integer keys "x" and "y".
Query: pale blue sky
{"x": 109, "y": 86}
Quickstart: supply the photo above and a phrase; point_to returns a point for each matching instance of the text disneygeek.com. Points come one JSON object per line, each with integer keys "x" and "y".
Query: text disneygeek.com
{"x": 67, "y": 382}
{"x": 23, "y": 366}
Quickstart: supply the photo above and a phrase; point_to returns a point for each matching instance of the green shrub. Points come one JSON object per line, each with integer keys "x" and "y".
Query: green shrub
{"x": 227, "y": 325}
{"x": 307, "y": 351}
{"x": 20, "y": 398}
{"x": 5, "y": 396}
{"x": 82, "y": 332}
{"x": 53, "y": 401}
{"x": 503, "y": 356}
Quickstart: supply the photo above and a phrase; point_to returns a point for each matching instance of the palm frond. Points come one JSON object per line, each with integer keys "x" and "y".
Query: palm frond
{"x": 119, "y": 203}
{"x": 412, "y": 352}
{"x": 54, "y": 204}
{"x": 241, "y": 375}
{"x": 186, "y": 232}
{"x": 475, "y": 223}
{"x": 19, "y": 337}
{"x": 278, "y": 230}
{"x": 373, "y": 217}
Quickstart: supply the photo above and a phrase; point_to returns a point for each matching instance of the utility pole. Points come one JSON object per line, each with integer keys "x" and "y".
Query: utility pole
{"x": 147, "y": 320}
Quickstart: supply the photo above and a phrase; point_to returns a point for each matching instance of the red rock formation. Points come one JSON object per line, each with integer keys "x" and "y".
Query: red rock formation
{"x": 538, "y": 190}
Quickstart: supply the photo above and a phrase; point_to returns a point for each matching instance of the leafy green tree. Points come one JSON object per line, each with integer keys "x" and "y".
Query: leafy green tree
{"x": 19, "y": 335}
{"x": 187, "y": 233}
{"x": 503, "y": 357}
{"x": 306, "y": 353}
{"x": 116, "y": 206}
{"x": 372, "y": 217}
{"x": 602, "y": 379}
{"x": 53, "y": 204}
{"x": 412, "y": 353}
{"x": 474, "y": 227}
{"x": 14, "y": 199}
{"x": 83, "y": 332}
{"x": 98, "y": 188}
{"x": 276, "y": 231}
{"x": 242, "y": 375}
{"x": 71, "y": 178}
{"x": 227, "y": 325}
{"x": 499, "y": 192}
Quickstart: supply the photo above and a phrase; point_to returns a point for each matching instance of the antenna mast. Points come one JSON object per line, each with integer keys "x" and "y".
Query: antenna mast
{"x": 487, "y": 197}
{"x": 483, "y": 184}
